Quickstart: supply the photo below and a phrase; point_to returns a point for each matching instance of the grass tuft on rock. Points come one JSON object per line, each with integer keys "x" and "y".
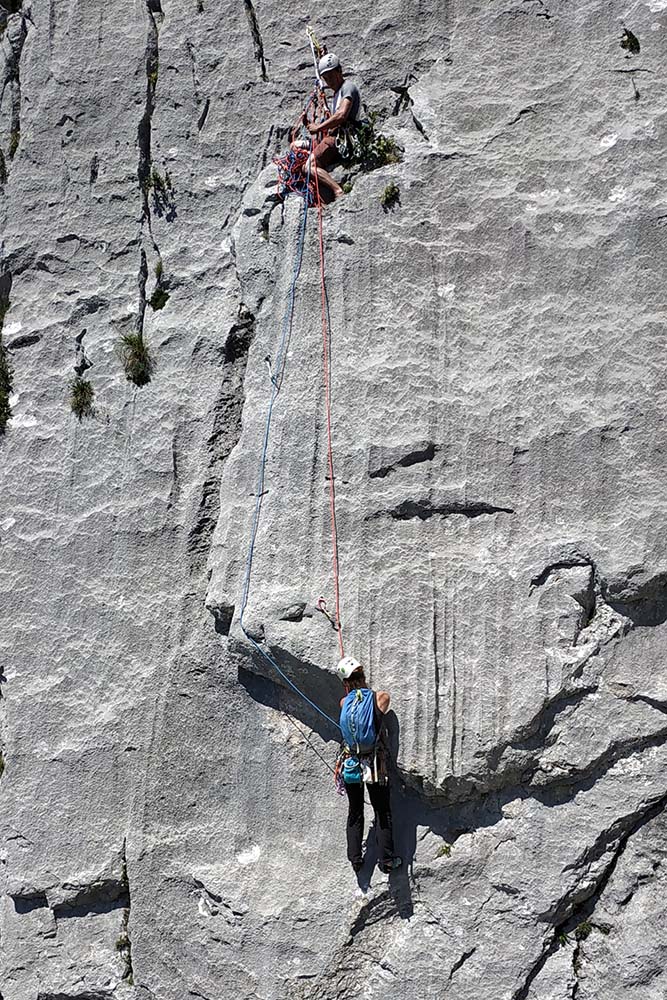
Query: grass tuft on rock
{"x": 390, "y": 197}
{"x": 136, "y": 357}
{"x": 82, "y": 395}
{"x": 444, "y": 851}
{"x": 583, "y": 930}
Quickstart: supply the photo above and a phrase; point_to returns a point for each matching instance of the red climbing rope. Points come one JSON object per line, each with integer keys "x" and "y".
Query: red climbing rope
{"x": 326, "y": 359}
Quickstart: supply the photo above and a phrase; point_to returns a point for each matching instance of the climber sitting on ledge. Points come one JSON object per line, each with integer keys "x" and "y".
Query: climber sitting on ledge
{"x": 363, "y": 762}
{"x": 346, "y": 104}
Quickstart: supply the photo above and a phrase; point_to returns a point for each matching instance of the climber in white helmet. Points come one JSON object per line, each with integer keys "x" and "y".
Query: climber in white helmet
{"x": 346, "y": 104}
{"x": 362, "y": 763}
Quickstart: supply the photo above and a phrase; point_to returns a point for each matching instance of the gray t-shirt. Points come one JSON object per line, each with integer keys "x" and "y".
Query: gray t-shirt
{"x": 350, "y": 90}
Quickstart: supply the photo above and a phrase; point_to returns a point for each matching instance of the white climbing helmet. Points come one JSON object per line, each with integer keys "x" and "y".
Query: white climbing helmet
{"x": 327, "y": 63}
{"x": 346, "y": 667}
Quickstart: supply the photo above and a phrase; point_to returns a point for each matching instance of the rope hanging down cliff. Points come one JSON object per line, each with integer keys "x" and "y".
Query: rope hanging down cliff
{"x": 277, "y": 375}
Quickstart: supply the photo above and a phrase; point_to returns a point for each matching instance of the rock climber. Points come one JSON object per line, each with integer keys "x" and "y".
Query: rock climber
{"x": 346, "y": 104}
{"x": 363, "y": 764}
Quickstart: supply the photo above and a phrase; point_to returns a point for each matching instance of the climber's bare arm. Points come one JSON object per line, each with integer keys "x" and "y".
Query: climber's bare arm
{"x": 383, "y": 700}
{"x": 336, "y": 119}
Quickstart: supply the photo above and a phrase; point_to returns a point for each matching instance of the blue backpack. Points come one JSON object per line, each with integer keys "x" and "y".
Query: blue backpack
{"x": 357, "y": 720}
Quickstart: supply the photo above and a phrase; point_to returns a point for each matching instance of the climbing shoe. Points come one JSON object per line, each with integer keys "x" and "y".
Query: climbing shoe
{"x": 392, "y": 866}
{"x": 357, "y": 865}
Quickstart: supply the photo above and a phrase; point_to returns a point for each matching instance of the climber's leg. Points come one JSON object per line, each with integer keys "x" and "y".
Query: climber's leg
{"x": 355, "y": 824}
{"x": 324, "y": 155}
{"x": 379, "y": 796}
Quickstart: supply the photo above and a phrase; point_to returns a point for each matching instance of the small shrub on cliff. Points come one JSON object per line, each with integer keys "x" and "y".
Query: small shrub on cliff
{"x": 444, "y": 851}
{"x": 81, "y": 397}
{"x": 390, "y": 197}
{"x": 136, "y": 358}
{"x": 371, "y": 148}
{"x": 583, "y": 930}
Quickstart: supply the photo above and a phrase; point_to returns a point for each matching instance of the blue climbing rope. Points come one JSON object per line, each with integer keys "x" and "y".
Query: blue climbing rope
{"x": 277, "y": 374}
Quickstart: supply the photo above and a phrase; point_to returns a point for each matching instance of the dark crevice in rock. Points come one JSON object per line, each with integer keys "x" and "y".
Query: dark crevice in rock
{"x": 16, "y": 30}
{"x": 223, "y": 614}
{"x": 423, "y": 452}
{"x": 82, "y": 362}
{"x": 425, "y": 509}
{"x": 575, "y": 560}
{"x": 420, "y": 128}
{"x": 142, "y": 278}
{"x": 203, "y": 115}
{"x": 257, "y": 42}
{"x": 23, "y": 340}
{"x": 98, "y": 897}
{"x": 522, "y": 113}
{"x": 223, "y": 438}
{"x": 461, "y": 961}
{"x": 645, "y": 604}
{"x": 660, "y": 706}
{"x": 145, "y": 124}
{"x": 124, "y": 944}
{"x": 403, "y": 99}
{"x": 28, "y": 903}
{"x": 6, "y": 369}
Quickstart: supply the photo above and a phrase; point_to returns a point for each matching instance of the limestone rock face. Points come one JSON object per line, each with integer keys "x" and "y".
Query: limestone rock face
{"x": 170, "y": 828}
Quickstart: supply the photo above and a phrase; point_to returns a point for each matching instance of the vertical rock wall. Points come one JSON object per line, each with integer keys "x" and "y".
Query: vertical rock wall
{"x": 498, "y": 393}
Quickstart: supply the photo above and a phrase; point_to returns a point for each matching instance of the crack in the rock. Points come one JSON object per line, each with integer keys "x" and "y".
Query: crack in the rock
{"x": 499, "y": 135}
{"x": 258, "y": 44}
{"x": 145, "y": 124}
{"x": 201, "y": 121}
{"x": 423, "y": 452}
{"x": 461, "y": 961}
{"x": 23, "y": 340}
{"x": 577, "y": 559}
{"x": 6, "y": 367}
{"x": 16, "y": 29}
{"x": 142, "y": 278}
{"x": 424, "y": 509}
{"x": 224, "y": 436}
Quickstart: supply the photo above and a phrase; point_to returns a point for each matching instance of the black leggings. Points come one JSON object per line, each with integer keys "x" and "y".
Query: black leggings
{"x": 379, "y": 796}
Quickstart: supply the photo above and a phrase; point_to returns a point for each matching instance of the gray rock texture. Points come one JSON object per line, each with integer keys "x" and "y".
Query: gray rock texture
{"x": 169, "y": 827}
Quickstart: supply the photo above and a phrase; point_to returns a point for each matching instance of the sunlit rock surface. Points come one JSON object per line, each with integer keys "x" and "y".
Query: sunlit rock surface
{"x": 498, "y": 391}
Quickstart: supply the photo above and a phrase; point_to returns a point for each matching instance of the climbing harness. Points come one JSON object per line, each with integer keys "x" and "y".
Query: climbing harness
{"x": 292, "y": 177}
